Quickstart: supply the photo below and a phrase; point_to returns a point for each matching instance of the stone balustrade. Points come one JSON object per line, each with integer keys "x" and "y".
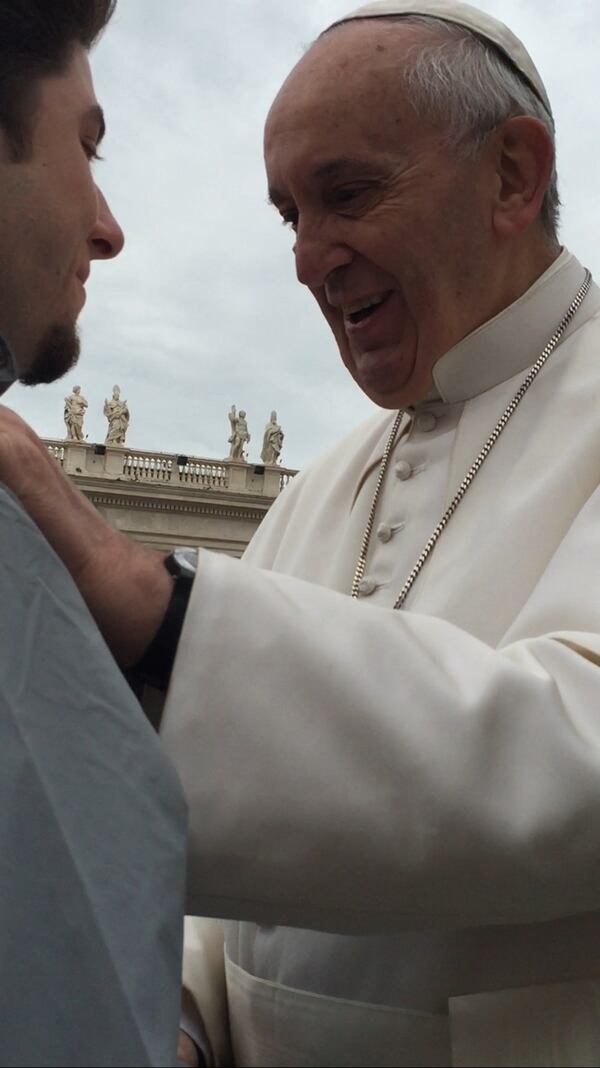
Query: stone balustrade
{"x": 119, "y": 463}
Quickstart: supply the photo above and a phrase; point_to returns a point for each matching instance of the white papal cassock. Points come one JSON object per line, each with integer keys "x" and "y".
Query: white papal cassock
{"x": 403, "y": 808}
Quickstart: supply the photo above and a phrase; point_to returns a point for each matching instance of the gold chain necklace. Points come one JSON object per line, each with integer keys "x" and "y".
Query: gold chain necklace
{"x": 475, "y": 467}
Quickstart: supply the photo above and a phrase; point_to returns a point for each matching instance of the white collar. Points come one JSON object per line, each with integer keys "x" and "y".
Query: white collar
{"x": 513, "y": 339}
{"x": 503, "y": 347}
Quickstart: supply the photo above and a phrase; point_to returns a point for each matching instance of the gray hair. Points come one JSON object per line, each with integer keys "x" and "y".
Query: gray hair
{"x": 468, "y": 82}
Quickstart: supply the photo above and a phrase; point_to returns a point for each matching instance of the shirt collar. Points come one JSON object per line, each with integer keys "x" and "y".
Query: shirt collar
{"x": 512, "y": 341}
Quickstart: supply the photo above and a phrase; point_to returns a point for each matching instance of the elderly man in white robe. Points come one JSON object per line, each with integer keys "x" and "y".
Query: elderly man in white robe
{"x": 387, "y": 718}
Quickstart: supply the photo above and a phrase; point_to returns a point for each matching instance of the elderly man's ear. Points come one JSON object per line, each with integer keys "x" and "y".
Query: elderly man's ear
{"x": 522, "y": 156}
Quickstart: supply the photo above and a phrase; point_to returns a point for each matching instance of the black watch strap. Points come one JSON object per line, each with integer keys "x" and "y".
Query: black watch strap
{"x": 156, "y": 665}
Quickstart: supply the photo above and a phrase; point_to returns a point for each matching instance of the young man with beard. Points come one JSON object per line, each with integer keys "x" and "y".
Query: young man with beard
{"x": 92, "y": 831}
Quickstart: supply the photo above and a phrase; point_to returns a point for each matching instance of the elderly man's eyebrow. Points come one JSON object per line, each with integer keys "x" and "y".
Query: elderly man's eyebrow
{"x": 344, "y": 163}
{"x": 96, "y": 114}
{"x": 331, "y": 169}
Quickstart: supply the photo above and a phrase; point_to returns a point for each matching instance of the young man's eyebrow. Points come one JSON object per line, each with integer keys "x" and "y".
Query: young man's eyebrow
{"x": 96, "y": 114}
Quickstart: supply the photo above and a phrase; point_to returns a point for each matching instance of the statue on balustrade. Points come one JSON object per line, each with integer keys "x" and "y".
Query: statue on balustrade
{"x": 272, "y": 441}
{"x": 75, "y": 406}
{"x": 117, "y": 413}
{"x": 239, "y": 436}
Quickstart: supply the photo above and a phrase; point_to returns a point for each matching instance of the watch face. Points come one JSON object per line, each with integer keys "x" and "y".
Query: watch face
{"x": 183, "y": 562}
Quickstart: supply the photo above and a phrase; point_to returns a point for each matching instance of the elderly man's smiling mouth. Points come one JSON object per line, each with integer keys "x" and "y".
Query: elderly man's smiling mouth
{"x": 366, "y": 315}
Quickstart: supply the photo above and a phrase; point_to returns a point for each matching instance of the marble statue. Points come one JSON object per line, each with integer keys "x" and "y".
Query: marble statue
{"x": 117, "y": 413}
{"x": 239, "y": 436}
{"x": 75, "y": 406}
{"x": 272, "y": 441}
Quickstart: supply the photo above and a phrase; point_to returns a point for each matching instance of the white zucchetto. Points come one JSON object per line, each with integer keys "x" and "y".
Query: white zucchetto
{"x": 463, "y": 15}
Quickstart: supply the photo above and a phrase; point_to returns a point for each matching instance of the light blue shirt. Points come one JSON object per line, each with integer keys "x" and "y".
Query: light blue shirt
{"x": 92, "y": 833}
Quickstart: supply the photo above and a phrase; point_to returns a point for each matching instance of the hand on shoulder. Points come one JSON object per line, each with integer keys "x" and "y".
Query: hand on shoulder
{"x": 125, "y": 585}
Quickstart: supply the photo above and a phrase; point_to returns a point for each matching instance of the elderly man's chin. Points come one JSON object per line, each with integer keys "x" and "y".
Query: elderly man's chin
{"x": 55, "y": 354}
{"x": 390, "y": 377}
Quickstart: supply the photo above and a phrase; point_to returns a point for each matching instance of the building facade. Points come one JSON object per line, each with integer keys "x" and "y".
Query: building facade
{"x": 164, "y": 500}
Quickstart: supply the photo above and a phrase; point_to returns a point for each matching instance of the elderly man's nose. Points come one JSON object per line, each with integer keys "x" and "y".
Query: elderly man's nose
{"x": 106, "y": 239}
{"x": 317, "y": 255}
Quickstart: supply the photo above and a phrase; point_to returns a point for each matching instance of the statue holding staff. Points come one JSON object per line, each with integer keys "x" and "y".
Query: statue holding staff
{"x": 75, "y": 406}
{"x": 239, "y": 436}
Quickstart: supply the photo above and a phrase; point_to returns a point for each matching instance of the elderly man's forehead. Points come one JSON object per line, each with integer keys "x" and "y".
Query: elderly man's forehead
{"x": 349, "y": 60}
{"x": 378, "y": 42}
{"x": 396, "y": 32}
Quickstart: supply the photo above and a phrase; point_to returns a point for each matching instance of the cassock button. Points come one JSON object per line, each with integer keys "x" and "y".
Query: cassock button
{"x": 426, "y": 421}
{"x": 402, "y": 470}
{"x": 384, "y": 532}
{"x": 366, "y": 587}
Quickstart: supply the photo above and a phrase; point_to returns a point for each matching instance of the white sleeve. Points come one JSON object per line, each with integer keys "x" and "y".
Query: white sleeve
{"x": 358, "y": 769}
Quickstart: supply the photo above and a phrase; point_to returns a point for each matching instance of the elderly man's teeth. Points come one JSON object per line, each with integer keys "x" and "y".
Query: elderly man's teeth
{"x": 361, "y": 305}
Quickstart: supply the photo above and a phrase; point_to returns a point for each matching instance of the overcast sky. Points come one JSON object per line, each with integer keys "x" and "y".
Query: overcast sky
{"x": 202, "y": 308}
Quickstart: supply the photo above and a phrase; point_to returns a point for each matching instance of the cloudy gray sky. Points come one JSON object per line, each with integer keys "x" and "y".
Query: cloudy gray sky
{"x": 202, "y": 309}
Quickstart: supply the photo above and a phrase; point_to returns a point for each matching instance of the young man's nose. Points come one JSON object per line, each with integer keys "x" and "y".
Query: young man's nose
{"x": 106, "y": 239}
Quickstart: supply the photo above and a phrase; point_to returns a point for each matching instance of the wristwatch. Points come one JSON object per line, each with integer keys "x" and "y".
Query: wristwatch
{"x": 154, "y": 669}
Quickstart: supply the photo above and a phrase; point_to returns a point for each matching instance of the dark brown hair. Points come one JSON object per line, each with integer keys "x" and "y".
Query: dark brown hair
{"x": 37, "y": 38}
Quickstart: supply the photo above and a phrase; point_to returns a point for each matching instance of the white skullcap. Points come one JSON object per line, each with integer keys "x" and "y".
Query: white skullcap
{"x": 462, "y": 15}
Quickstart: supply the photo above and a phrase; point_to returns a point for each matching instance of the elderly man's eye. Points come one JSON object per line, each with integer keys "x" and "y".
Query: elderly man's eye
{"x": 347, "y": 194}
{"x": 290, "y": 219}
